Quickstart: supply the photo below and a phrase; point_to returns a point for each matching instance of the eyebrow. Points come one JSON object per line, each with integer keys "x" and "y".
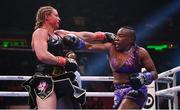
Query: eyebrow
{"x": 121, "y": 34}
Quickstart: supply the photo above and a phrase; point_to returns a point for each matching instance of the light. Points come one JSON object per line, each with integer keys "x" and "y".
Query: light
{"x": 171, "y": 46}
{"x": 158, "y": 47}
{"x": 5, "y": 44}
{"x": 156, "y": 20}
{"x": 9, "y": 43}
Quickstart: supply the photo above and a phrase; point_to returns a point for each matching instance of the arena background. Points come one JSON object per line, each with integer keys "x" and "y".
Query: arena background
{"x": 156, "y": 22}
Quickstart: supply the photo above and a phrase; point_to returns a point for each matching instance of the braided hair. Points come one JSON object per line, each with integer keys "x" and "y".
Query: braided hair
{"x": 41, "y": 15}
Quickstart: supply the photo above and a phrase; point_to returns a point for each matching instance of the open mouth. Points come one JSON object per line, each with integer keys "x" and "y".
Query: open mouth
{"x": 116, "y": 45}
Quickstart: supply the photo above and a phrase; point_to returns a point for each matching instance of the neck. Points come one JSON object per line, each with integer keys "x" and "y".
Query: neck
{"x": 126, "y": 49}
{"x": 49, "y": 28}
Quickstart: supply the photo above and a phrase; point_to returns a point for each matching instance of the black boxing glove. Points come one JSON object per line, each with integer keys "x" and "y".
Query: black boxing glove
{"x": 137, "y": 80}
{"x": 68, "y": 63}
{"x": 105, "y": 36}
{"x": 109, "y": 36}
{"x": 71, "y": 40}
{"x": 71, "y": 65}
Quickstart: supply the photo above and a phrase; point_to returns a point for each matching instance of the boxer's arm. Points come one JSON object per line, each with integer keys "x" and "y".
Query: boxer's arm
{"x": 145, "y": 78}
{"x": 40, "y": 46}
{"x": 90, "y": 36}
{"x": 71, "y": 40}
{"x": 97, "y": 36}
{"x": 86, "y": 36}
{"x": 148, "y": 63}
{"x": 99, "y": 47}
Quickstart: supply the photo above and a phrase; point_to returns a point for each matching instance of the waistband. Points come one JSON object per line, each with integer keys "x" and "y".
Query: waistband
{"x": 121, "y": 85}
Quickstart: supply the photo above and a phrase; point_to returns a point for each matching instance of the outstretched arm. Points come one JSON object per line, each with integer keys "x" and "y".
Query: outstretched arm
{"x": 99, "y": 47}
{"x": 74, "y": 42}
{"x": 90, "y": 36}
{"x": 87, "y": 36}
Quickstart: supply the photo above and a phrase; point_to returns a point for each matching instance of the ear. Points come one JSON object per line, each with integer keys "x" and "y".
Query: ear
{"x": 131, "y": 40}
{"x": 46, "y": 17}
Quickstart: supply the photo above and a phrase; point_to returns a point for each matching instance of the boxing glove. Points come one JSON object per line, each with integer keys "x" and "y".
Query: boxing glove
{"x": 72, "y": 41}
{"x": 105, "y": 36}
{"x": 68, "y": 63}
{"x": 109, "y": 37}
{"x": 137, "y": 80}
{"x": 71, "y": 65}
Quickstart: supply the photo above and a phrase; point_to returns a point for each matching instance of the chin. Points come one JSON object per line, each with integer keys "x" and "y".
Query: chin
{"x": 119, "y": 49}
{"x": 57, "y": 27}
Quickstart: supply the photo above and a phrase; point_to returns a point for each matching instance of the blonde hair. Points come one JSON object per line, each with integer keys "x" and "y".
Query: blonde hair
{"x": 41, "y": 14}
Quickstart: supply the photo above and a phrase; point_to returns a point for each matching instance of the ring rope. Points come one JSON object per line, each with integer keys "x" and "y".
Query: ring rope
{"x": 169, "y": 72}
{"x": 25, "y": 94}
{"x": 92, "y": 78}
{"x": 83, "y": 78}
{"x": 169, "y": 90}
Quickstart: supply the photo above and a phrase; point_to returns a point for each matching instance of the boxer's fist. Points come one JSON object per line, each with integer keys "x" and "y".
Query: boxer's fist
{"x": 68, "y": 63}
{"x": 137, "y": 80}
{"x": 71, "y": 65}
{"x": 105, "y": 36}
{"x": 109, "y": 37}
{"x": 71, "y": 40}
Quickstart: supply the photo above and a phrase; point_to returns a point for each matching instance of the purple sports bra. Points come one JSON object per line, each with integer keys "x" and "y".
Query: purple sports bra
{"x": 131, "y": 65}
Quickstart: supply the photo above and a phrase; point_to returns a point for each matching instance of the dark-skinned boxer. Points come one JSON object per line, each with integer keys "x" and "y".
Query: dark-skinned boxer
{"x": 126, "y": 60}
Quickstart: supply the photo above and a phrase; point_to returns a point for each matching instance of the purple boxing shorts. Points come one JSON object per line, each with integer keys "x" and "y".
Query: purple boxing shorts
{"x": 123, "y": 91}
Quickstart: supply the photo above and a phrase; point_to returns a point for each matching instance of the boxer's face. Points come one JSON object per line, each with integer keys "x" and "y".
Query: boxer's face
{"x": 122, "y": 40}
{"x": 53, "y": 19}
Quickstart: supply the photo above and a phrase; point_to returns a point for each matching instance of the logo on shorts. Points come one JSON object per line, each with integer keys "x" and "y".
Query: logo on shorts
{"x": 42, "y": 87}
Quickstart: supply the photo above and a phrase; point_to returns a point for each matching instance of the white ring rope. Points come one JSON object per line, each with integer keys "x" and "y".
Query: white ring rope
{"x": 97, "y": 78}
{"x": 83, "y": 78}
{"x": 169, "y": 90}
{"x": 165, "y": 80}
{"x": 91, "y": 78}
{"x": 169, "y": 72}
{"x": 15, "y": 78}
{"x": 25, "y": 94}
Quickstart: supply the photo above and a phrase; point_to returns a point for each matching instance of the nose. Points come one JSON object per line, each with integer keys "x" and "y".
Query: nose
{"x": 116, "y": 39}
{"x": 59, "y": 19}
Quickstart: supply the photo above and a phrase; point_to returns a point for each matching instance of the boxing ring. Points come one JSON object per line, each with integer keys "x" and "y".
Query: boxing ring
{"x": 167, "y": 77}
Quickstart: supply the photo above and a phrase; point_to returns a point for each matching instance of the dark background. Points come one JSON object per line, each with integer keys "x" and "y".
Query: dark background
{"x": 17, "y": 18}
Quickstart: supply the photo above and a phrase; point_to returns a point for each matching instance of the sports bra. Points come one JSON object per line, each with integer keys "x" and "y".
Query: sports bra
{"x": 132, "y": 64}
